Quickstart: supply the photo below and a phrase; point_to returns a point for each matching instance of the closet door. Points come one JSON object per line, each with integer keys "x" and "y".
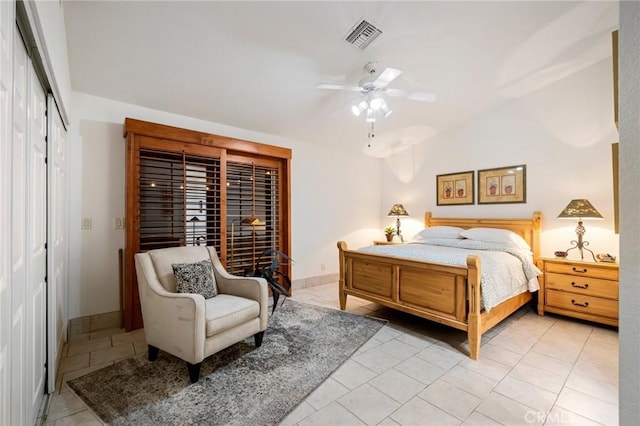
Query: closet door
{"x": 28, "y": 224}
{"x": 7, "y": 23}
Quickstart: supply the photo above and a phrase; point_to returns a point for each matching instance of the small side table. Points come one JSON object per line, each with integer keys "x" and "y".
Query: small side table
{"x": 385, "y": 243}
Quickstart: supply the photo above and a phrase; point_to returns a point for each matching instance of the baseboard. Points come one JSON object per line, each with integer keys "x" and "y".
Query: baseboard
{"x": 314, "y": 281}
{"x": 96, "y": 322}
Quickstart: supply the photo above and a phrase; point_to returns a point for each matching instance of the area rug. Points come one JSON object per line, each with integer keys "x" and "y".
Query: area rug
{"x": 242, "y": 385}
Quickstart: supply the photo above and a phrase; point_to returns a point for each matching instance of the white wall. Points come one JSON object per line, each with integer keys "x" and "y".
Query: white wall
{"x": 335, "y": 195}
{"x": 562, "y": 133}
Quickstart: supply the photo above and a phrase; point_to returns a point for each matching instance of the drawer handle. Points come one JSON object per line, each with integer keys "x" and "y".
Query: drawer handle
{"x": 584, "y": 305}
{"x": 573, "y": 284}
{"x": 581, "y": 271}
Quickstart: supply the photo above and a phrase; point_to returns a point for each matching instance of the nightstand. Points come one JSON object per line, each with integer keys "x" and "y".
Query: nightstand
{"x": 584, "y": 290}
{"x": 385, "y": 243}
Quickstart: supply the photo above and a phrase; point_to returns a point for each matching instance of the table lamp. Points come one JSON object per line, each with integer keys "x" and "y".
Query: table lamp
{"x": 398, "y": 210}
{"x": 580, "y": 209}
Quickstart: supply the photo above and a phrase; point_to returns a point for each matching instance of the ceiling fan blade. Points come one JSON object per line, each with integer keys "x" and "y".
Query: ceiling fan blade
{"x": 339, "y": 87}
{"x": 415, "y": 96}
{"x": 387, "y": 76}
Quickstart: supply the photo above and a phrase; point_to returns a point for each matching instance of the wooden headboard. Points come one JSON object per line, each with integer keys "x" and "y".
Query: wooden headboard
{"x": 529, "y": 229}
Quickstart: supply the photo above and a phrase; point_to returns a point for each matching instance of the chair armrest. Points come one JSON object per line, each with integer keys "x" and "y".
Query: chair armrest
{"x": 173, "y": 322}
{"x": 247, "y": 287}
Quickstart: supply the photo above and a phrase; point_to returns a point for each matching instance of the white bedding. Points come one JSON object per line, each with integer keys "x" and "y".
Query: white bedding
{"x": 506, "y": 272}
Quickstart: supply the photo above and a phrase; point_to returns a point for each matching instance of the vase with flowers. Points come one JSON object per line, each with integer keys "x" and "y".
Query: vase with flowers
{"x": 388, "y": 232}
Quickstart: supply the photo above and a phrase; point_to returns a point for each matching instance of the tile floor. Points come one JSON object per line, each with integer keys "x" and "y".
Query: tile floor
{"x": 532, "y": 370}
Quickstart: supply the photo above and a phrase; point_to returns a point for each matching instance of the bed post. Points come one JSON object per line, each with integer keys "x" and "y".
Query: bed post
{"x": 474, "y": 330}
{"x": 342, "y": 246}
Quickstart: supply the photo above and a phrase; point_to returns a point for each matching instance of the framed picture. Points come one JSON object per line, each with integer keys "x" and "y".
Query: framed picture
{"x": 455, "y": 189}
{"x": 503, "y": 185}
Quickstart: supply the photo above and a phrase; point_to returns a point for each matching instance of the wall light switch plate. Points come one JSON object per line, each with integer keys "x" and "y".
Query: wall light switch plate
{"x": 86, "y": 223}
{"x": 119, "y": 223}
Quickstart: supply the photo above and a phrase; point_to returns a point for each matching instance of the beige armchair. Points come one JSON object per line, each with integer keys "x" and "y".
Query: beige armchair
{"x": 187, "y": 325}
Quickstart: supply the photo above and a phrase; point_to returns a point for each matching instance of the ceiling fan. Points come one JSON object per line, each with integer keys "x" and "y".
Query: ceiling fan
{"x": 373, "y": 86}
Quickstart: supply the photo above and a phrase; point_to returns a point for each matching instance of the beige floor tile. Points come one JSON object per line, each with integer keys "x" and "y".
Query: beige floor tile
{"x": 605, "y": 390}
{"x": 561, "y": 417}
{"x": 450, "y": 399}
{"x": 607, "y": 372}
{"x": 588, "y": 406}
{"x": 420, "y": 370}
{"x": 419, "y": 412}
{"x": 507, "y": 411}
{"x": 140, "y": 347}
{"x": 333, "y": 414}
{"x": 106, "y": 332}
{"x": 353, "y": 374}
{"x": 500, "y": 355}
{"x": 523, "y": 392}
{"x": 515, "y": 340}
{"x": 388, "y": 422}
{"x": 477, "y": 419}
{"x": 397, "y": 385}
{"x": 326, "y": 393}
{"x": 63, "y": 405}
{"x": 470, "y": 381}
{"x": 487, "y": 367}
{"x": 80, "y": 347}
{"x": 538, "y": 377}
{"x": 300, "y": 412}
{"x": 132, "y": 336}
{"x": 417, "y": 340}
{"x": 369, "y": 404}
{"x": 398, "y": 349}
{"x": 111, "y": 354}
{"x": 441, "y": 356}
{"x": 74, "y": 363}
{"x": 85, "y": 417}
{"x": 547, "y": 363}
{"x": 376, "y": 360}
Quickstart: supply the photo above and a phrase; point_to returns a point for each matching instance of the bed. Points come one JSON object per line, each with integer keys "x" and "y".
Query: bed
{"x": 440, "y": 292}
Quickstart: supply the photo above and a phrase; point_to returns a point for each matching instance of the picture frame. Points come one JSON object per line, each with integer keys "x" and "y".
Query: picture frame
{"x": 455, "y": 189}
{"x": 503, "y": 185}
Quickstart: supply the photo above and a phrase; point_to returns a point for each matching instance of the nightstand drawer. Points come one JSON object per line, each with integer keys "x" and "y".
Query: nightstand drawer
{"x": 582, "y": 304}
{"x": 582, "y": 285}
{"x": 583, "y": 269}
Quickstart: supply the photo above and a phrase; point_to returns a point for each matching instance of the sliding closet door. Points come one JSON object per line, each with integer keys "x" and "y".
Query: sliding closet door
{"x": 7, "y": 23}
{"x": 28, "y": 242}
{"x": 56, "y": 235}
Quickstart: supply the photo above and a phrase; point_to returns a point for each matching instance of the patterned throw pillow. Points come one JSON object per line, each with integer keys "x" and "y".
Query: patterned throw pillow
{"x": 195, "y": 278}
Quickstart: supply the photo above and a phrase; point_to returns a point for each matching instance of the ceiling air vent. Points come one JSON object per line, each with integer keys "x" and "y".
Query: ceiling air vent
{"x": 363, "y": 34}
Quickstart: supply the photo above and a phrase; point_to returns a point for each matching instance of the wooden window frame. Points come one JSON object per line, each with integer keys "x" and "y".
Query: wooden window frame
{"x": 146, "y": 135}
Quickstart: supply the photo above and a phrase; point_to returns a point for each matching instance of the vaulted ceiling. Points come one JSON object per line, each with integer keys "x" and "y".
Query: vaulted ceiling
{"x": 256, "y": 65}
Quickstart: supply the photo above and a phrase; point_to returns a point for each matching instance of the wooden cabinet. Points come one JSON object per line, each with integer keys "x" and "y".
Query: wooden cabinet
{"x": 584, "y": 290}
{"x": 385, "y": 243}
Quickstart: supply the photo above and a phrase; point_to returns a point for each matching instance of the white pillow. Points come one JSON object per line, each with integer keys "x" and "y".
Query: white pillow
{"x": 446, "y": 232}
{"x": 498, "y": 236}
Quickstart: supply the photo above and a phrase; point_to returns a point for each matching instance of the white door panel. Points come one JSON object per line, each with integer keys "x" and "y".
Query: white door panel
{"x": 7, "y": 19}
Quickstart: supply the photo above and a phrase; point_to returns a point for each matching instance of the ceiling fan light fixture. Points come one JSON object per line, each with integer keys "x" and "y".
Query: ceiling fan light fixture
{"x": 376, "y": 103}
{"x": 371, "y": 116}
{"x": 357, "y": 109}
{"x": 384, "y": 109}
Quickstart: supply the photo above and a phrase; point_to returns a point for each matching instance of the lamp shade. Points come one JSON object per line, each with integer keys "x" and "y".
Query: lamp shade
{"x": 398, "y": 210}
{"x": 581, "y": 209}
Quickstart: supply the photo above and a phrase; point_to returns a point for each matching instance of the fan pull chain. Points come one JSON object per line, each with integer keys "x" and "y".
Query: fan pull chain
{"x": 371, "y": 135}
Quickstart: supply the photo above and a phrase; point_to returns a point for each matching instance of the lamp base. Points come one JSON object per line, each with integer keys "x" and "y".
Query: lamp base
{"x": 580, "y": 244}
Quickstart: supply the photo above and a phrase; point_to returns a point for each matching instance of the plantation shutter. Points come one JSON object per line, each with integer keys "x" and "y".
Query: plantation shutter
{"x": 179, "y": 200}
{"x": 253, "y": 214}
